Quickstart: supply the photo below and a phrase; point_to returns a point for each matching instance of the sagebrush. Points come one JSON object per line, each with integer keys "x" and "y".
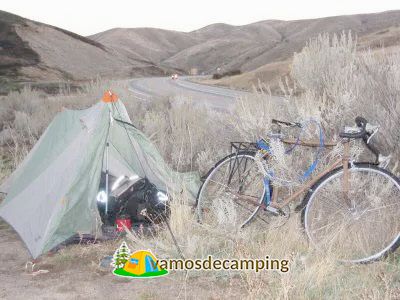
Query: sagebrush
{"x": 332, "y": 82}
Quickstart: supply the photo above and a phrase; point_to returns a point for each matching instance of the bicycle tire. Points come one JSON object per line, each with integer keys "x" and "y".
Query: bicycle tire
{"x": 246, "y": 153}
{"x": 329, "y": 177}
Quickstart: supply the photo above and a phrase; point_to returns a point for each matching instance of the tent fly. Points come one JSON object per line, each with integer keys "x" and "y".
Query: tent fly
{"x": 88, "y": 166}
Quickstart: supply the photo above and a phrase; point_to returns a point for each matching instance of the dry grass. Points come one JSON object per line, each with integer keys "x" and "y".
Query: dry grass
{"x": 312, "y": 275}
{"x": 171, "y": 125}
{"x": 336, "y": 84}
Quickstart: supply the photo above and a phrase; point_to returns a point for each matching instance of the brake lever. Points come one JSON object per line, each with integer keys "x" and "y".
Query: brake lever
{"x": 374, "y": 130}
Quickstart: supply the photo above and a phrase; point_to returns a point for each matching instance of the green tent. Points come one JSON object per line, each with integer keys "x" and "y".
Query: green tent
{"x": 51, "y": 196}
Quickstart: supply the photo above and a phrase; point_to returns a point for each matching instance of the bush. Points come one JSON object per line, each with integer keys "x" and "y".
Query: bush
{"x": 340, "y": 84}
{"x": 226, "y": 74}
{"x": 332, "y": 83}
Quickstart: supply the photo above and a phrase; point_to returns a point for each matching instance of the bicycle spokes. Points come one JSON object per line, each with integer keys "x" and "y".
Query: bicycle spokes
{"x": 233, "y": 192}
{"x": 363, "y": 229}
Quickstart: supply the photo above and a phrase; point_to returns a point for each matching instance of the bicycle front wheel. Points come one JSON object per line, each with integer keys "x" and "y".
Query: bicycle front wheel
{"x": 357, "y": 226}
{"x": 232, "y": 192}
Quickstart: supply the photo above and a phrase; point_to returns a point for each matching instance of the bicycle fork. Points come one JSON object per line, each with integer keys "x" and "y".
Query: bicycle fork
{"x": 346, "y": 175}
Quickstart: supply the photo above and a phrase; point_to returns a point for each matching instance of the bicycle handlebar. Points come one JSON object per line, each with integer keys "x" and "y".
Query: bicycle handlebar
{"x": 362, "y": 124}
{"x": 365, "y": 133}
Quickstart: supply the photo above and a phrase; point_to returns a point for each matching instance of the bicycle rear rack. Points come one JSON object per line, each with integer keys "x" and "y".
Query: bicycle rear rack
{"x": 243, "y": 146}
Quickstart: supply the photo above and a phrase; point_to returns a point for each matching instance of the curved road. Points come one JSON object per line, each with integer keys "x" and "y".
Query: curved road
{"x": 155, "y": 87}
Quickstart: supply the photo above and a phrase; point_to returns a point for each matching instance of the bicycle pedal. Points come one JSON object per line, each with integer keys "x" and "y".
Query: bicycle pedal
{"x": 272, "y": 210}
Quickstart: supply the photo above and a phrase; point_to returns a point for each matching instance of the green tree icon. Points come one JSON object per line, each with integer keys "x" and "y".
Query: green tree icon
{"x": 124, "y": 253}
{"x": 117, "y": 260}
{"x": 121, "y": 256}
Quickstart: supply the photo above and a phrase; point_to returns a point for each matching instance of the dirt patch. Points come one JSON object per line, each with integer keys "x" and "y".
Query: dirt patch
{"x": 74, "y": 273}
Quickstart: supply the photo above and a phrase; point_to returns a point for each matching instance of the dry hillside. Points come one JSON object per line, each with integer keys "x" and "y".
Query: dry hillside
{"x": 272, "y": 73}
{"x": 32, "y": 51}
{"x": 148, "y": 44}
{"x": 238, "y": 47}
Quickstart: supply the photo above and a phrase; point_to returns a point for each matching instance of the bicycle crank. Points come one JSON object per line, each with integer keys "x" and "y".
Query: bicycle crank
{"x": 279, "y": 216}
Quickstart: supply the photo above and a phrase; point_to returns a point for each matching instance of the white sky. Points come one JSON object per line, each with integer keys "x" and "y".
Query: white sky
{"x": 88, "y": 16}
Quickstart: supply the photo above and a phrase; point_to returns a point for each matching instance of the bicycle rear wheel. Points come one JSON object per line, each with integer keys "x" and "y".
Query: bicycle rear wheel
{"x": 232, "y": 192}
{"x": 360, "y": 226}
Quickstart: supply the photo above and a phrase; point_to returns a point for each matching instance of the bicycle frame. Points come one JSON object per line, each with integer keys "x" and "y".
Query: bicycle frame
{"x": 344, "y": 161}
{"x": 341, "y": 202}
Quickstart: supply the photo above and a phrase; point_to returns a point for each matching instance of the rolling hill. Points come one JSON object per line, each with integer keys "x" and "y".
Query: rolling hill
{"x": 246, "y": 47}
{"x": 32, "y": 51}
{"x": 272, "y": 72}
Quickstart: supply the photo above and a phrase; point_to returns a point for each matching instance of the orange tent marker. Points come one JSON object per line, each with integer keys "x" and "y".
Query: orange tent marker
{"x": 109, "y": 97}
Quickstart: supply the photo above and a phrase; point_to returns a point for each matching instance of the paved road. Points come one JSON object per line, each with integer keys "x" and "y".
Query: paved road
{"x": 214, "y": 97}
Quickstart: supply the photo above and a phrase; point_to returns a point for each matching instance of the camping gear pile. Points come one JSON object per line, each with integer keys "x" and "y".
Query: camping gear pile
{"x": 90, "y": 167}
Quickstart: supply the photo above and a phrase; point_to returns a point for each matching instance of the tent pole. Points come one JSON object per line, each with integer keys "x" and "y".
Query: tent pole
{"x": 106, "y": 208}
{"x": 107, "y": 173}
